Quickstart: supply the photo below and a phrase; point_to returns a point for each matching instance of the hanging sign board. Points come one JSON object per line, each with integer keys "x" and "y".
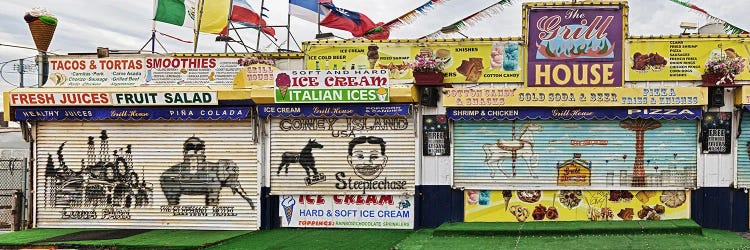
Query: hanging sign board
{"x": 575, "y": 46}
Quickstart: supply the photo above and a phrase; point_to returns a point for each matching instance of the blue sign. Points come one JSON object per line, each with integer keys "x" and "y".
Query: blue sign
{"x": 155, "y": 113}
{"x": 333, "y": 110}
{"x": 572, "y": 113}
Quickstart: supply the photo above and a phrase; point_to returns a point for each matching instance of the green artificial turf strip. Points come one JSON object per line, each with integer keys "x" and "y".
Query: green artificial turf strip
{"x": 27, "y": 236}
{"x": 575, "y": 242}
{"x": 163, "y": 239}
{"x": 317, "y": 239}
{"x": 424, "y": 239}
{"x": 478, "y": 229}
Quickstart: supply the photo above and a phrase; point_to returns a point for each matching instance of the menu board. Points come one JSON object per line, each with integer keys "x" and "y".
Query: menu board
{"x": 680, "y": 59}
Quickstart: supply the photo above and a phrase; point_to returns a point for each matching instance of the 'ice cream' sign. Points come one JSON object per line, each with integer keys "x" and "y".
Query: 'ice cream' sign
{"x": 575, "y": 46}
{"x": 331, "y": 86}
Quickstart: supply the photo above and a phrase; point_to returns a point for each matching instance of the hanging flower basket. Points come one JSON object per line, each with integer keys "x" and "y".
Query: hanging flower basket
{"x": 428, "y": 78}
{"x": 717, "y": 79}
{"x": 710, "y": 79}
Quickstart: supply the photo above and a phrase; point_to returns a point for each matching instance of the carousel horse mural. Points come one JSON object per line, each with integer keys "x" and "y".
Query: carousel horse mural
{"x": 519, "y": 147}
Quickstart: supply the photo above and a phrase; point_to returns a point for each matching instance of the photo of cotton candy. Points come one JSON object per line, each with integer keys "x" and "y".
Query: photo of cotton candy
{"x": 496, "y": 55}
{"x": 510, "y": 62}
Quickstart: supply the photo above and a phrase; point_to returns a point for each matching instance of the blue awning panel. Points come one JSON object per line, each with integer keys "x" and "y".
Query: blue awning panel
{"x": 333, "y": 110}
{"x": 145, "y": 113}
{"x": 573, "y": 113}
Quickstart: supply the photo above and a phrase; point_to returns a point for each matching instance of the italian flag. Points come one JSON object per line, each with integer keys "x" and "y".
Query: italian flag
{"x": 186, "y": 13}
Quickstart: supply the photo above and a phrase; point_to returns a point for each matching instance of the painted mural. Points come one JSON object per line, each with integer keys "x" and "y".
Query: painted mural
{"x": 558, "y": 153}
{"x": 347, "y": 155}
{"x": 574, "y": 205}
{"x": 106, "y": 178}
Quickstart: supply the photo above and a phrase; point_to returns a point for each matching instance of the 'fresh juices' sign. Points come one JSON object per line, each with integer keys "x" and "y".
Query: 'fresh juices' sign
{"x": 575, "y": 46}
{"x": 327, "y": 86}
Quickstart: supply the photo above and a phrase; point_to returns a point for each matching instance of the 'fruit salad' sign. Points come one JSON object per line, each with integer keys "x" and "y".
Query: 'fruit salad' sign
{"x": 575, "y": 46}
{"x": 327, "y": 86}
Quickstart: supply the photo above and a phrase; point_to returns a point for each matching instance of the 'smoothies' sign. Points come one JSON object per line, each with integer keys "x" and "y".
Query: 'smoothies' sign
{"x": 575, "y": 46}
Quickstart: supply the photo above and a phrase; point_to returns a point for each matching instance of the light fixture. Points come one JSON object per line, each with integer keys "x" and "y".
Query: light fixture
{"x": 453, "y": 28}
{"x": 102, "y": 52}
{"x": 324, "y": 36}
{"x": 688, "y": 26}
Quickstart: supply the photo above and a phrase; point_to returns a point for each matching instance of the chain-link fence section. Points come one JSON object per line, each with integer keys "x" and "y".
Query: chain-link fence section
{"x": 13, "y": 189}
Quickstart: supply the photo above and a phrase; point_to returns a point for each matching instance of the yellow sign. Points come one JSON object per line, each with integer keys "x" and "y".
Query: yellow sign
{"x": 574, "y": 97}
{"x": 680, "y": 59}
{"x": 742, "y": 96}
{"x": 574, "y": 172}
{"x": 255, "y": 76}
{"x": 574, "y": 205}
{"x": 465, "y": 62}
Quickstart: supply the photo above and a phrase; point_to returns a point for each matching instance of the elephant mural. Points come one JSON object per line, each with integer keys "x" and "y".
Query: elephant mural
{"x": 196, "y": 176}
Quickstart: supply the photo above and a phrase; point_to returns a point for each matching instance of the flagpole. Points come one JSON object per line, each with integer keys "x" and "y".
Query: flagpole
{"x": 288, "y": 29}
{"x": 318, "y": 13}
{"x": 260, "y": 25}
{"x": 198, "y": 27}
{"x": 229, "y": 24}
{"x": 153, "y": 32}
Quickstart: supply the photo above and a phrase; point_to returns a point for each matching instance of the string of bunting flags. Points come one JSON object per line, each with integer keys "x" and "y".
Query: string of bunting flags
{"x": 728, "y": 27}
{"x": 473, "y": 19}
{"x": 408, "y": 17}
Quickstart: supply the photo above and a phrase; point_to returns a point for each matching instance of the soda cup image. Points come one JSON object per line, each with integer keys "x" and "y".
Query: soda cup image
{"x": 484, "y": 197}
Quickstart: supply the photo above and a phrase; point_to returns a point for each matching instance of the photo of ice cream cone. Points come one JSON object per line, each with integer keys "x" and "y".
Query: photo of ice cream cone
{"x": 372, "y": 55}
{"x": 382, "y": 94}
{"x": 42, "y": 25}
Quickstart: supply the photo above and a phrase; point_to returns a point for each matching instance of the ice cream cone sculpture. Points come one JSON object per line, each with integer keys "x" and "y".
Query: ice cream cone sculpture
{"x": 42, "y": 25}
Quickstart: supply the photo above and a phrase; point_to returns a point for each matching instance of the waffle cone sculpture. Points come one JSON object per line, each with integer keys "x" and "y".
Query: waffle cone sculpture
{"x": 42, "y": 25}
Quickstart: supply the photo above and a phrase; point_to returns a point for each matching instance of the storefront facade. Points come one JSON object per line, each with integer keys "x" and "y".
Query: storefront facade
{"x": 148, "y": 142}
{"x": 339, "y": 153}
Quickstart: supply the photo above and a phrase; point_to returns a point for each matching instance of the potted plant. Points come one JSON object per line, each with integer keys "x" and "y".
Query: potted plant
{"x": 721, "y": 70}
{"x": 427, "y": 70}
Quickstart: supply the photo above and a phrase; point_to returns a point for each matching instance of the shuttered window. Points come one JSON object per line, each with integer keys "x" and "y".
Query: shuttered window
{"x": 342, "y": 155}
{"x": 165, "y": 175}
{"x": 575, "y": 154}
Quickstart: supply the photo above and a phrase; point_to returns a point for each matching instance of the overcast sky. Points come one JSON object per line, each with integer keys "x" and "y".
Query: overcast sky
{"x": 126, "y": 25}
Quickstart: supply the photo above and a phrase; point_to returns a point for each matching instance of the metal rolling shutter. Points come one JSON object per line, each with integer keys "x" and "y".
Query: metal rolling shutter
{"x": 743, "y": 152}
{"x": 156, "y": 147}
{"x": 397, "y": 176}
{"x": 670, "y": 154}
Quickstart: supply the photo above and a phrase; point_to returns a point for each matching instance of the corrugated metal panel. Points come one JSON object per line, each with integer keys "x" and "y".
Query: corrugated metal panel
{"x": 545, "y": 154}
{"x": 322, "y": 145}
{"x": 120, "y": 175}
{"x": 743, "y": 152}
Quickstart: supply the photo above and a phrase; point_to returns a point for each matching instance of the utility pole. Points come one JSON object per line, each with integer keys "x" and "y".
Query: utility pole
{"x": 21, "y": 69}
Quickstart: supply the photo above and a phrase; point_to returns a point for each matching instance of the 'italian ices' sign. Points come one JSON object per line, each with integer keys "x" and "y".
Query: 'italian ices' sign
{"x": 327, "y": 86}
{"x": 575, "y": 46}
